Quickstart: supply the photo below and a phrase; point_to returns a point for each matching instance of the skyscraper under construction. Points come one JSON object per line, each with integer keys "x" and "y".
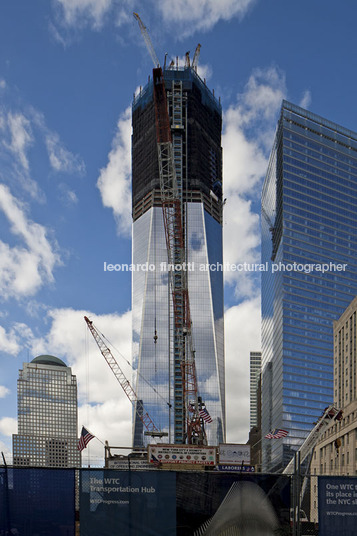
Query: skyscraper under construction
{"x": 195, "y": 124}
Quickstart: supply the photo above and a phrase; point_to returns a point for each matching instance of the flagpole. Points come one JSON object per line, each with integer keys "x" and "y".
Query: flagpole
{"x": 257, "y": 443}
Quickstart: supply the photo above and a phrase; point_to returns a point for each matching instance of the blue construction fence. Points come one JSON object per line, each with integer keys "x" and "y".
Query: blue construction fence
{"x": 42, "y": 502}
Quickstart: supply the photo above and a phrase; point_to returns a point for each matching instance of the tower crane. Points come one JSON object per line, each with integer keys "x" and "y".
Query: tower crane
{"x": 188, "y": 405}
{"x": 195, "y": 57}
{"x": 125, "y": 384}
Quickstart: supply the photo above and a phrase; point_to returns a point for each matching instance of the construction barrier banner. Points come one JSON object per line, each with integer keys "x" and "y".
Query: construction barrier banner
{"x": 37, "y": 501}
{"x": 127, "y": 503}
{"x": 255, "y": 501}
{"x": 41, "y": 502}
{"x": 337, "y": 505}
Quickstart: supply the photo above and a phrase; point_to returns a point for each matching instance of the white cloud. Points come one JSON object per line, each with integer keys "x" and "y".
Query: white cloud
{"x": 188, "y": 16}
{"x": 306, "y": 99}
{"x": 24, "y": 269}
{"x": 68, "y": 197}
{"x": 198, "y": 15}
{"x": 2, "y": 83}
{"x": 114, "y": 180}
{"x": 60, "y": 158}
{"x": 109, "y": 421}
{"x": 21, "y": 137}
{"x": 4, "y": 391}
{"x": 103, "y": 406}
{"x": 204, "y": 71}
{"x": 242, "y": 334}
{"x": 17, "y": 138}
{"x": 79, "y": 12}
{"x": 22, "y": 130}
{"x": 8, "y": 343}
{"x": 8, "y": 426}
{"x": 247, "y": 139}
{"x": 7, "y": 452}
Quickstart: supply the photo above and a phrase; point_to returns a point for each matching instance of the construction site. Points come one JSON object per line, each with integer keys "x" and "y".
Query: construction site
{"x": 180, "y": 476}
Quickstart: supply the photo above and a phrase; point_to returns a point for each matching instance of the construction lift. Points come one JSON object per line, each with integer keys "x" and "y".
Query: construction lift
{"x": 145, "y": 418}
{"x": 189, "y": 426}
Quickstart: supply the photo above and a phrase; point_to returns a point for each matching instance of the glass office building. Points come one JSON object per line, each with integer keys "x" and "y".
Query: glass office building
{"x": 47, "y": 415}
{"x": 309, "y": 242}
{"x": 196, "y": 122}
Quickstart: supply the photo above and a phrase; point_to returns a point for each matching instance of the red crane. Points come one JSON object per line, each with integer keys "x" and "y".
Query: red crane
{"x": 125, "y": 384}
{"x": 189, "y": 410}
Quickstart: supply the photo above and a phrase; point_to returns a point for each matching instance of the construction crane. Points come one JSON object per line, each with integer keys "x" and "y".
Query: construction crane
{"x": 195, "y": 57}
{"x": 304, "y": 454}
{"x": 147, "y": 40}
{"x": 145, "y": 418}
{"x": 187, "y": 403}
{"x": 331, "y": 413}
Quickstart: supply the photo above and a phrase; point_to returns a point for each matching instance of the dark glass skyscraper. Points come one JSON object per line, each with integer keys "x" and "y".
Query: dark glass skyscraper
{"x": 309, "y": 242}
{"x": 196, "y": 122}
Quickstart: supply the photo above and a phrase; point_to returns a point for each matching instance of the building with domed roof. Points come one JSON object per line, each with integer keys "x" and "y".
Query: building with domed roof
{"x": 47, "y": 415}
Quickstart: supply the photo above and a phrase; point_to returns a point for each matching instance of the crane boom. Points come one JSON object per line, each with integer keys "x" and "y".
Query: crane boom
{"x": 147, "y": 40}
{"x": 331, "y": 413}
{"x": 196, "y": 56}
{"x": 120, "y": 376}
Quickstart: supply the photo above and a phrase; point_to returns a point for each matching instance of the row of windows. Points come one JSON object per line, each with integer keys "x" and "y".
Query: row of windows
{"x": 325, "y": 220}
{"x": 294, "y": 148}
{"x": 327, "y": 178}
{"x": 321, "y": 147}
{"x": 309, "y": 137}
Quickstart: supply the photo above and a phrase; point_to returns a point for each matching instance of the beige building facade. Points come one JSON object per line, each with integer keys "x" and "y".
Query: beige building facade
{"x": 336, "y": 452}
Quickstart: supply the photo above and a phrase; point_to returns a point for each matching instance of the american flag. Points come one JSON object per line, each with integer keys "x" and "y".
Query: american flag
{"x": 205, "y": 415}
{"x": 277, "y": 434}
{"x": 84, "y": 439}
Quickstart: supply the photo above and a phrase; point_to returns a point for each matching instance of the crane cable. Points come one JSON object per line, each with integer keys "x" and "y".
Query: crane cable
{"x": 138, "y": 373}
{"x": 155, "y": 283}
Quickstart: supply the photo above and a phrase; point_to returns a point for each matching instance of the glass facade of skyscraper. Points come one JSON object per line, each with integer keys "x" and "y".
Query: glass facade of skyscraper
{"x": 198, "y": 166}
{"x": 255, "y": 365}
{"x": 309, "y": 242}
{"x": 47, "y": 415}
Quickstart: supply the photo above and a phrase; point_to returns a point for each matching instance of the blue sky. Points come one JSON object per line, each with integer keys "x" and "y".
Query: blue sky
{"x": 68, "y": 71}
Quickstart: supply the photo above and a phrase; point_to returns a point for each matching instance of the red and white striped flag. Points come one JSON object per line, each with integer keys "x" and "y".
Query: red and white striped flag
{"x": 277, "y": 434}
{"x": 84, "y": 439}
{"x": 205, "y": 415}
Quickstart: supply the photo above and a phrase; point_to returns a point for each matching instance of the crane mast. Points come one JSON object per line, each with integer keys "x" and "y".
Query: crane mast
{"x": 188, "y": 426}
{"x": 186, "y": 409}
{"x": 120, "y": 376}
